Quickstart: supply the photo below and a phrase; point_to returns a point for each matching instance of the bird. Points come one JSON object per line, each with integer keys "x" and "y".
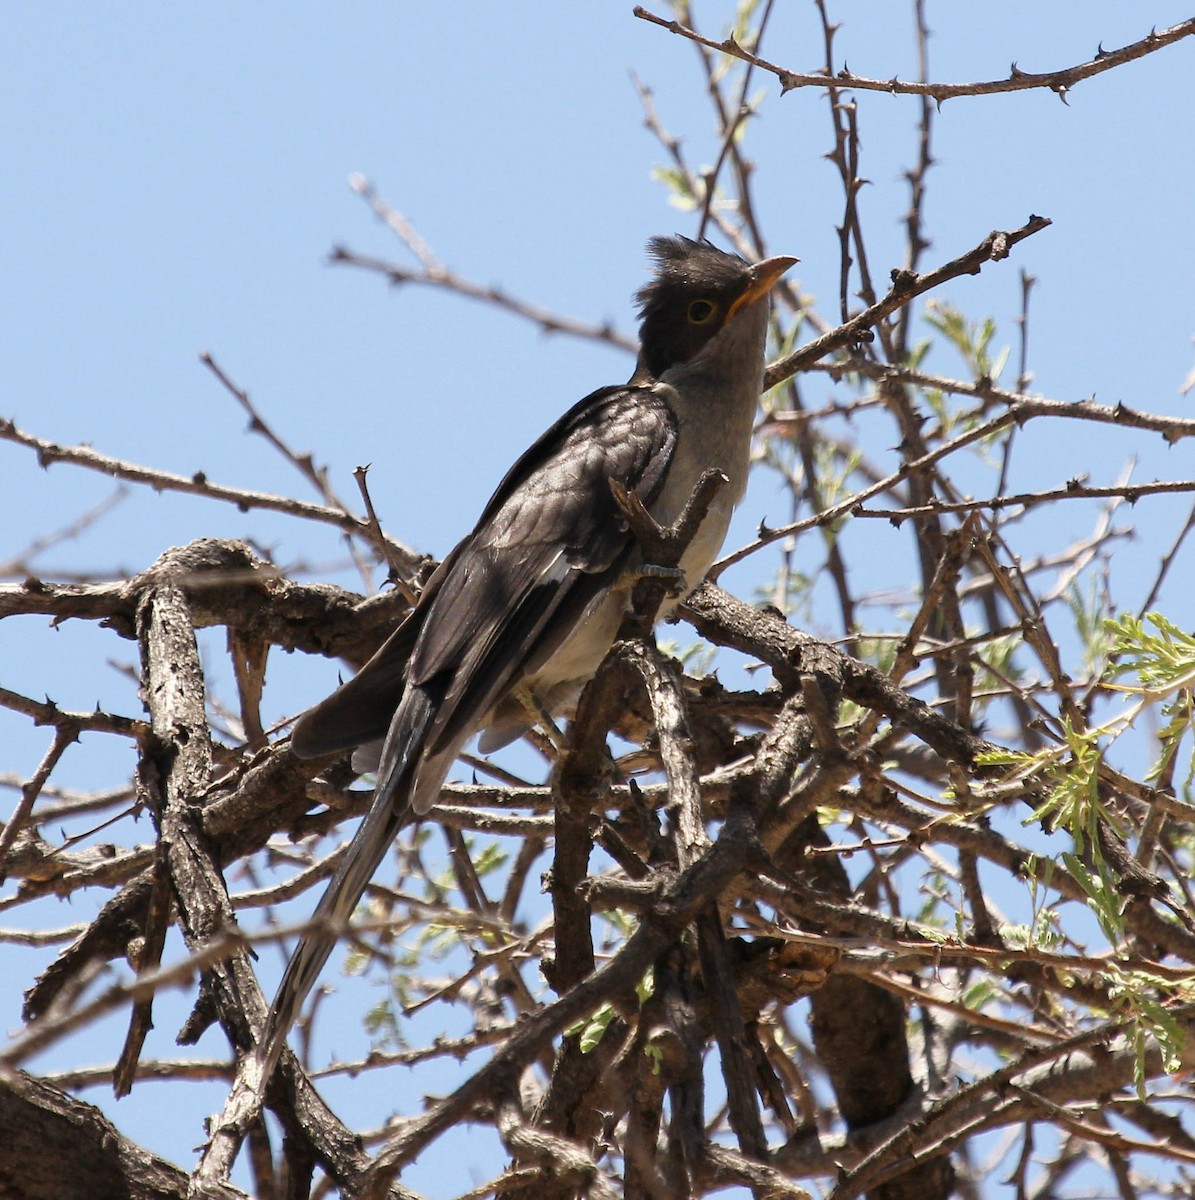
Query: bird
{"x": 521, "y": 613}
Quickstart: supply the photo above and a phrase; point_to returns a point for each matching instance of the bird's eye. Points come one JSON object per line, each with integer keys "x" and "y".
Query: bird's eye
{"x": 700, "y": 311}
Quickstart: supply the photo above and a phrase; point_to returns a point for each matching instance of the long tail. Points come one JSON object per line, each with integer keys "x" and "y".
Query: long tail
{"x": 387, "y": 814}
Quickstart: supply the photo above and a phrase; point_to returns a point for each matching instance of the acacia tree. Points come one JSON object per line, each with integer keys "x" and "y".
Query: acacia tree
{"x": 773, "y": 954}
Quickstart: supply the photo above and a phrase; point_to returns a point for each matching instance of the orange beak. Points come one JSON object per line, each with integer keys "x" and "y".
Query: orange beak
{"x": 763, "y": 278}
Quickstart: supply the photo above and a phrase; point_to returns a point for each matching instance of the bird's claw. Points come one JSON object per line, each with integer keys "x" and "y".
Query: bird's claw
{"x": 674, "y": 575}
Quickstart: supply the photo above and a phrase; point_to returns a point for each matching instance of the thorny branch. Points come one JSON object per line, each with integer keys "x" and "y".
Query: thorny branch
{"x": 1060, "y": 82}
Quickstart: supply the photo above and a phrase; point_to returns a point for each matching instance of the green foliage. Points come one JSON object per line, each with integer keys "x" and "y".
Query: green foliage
{"x": 744, "y": 31}
{"x": 933, "y": 890}
{"x": 591, "y": 1029}
{"x": 832, "y": 474}
{"x": 1043, "y": 930}
{"x": 979, "y": 994}
{"x": 490, "y": 859}
{"x": 1074, "y": 802}
{"x": 1103, "y": 896}
{"x": 698, "y": 658}
{"x": 383, "y": 1026}
{"x": 1087, "y": 607}
{"x": 997, "y": 654}
{"x": 680, "y": 194}
{"x": 972, "y": 340}
{"x": 1142, "y": 1008}
{"x": 1163, "y": 659}
{"x": 1071, "y": 769}
{"x": 784, "y": 339}
{"x": 1042, "y": 933}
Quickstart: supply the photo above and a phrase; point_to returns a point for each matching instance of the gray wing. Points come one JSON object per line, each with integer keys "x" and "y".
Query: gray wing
{"x": 549, "y": 543}
{"x": 359, "y": 711}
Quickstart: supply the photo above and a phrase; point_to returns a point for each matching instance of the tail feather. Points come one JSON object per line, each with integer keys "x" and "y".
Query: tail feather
{"x": 387, "y": 814}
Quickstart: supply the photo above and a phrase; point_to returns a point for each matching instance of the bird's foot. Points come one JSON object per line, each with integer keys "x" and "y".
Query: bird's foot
{"x": 674, "y": 576}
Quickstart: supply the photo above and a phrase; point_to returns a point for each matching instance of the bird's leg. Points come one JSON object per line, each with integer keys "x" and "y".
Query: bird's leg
{"x": 666, "y": 545}
{"x": 661, "y": 547}
{"x": 525, "y": 695}
{"x": 674, "y": 577}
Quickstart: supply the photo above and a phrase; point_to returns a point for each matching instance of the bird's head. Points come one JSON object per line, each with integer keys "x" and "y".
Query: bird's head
{"x": 697, "y": 292}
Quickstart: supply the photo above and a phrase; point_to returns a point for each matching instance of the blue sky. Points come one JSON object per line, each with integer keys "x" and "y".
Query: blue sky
{"x": 175, "y": 176}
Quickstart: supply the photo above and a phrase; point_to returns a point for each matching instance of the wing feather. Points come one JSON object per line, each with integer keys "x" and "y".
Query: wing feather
{"x": 359, "y": 711}
{"x": 549, "y": 543}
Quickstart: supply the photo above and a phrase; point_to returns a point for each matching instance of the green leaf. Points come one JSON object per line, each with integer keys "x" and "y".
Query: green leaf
{"x": 591, "y": 1029}
{"x": 1103, "y": 897}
